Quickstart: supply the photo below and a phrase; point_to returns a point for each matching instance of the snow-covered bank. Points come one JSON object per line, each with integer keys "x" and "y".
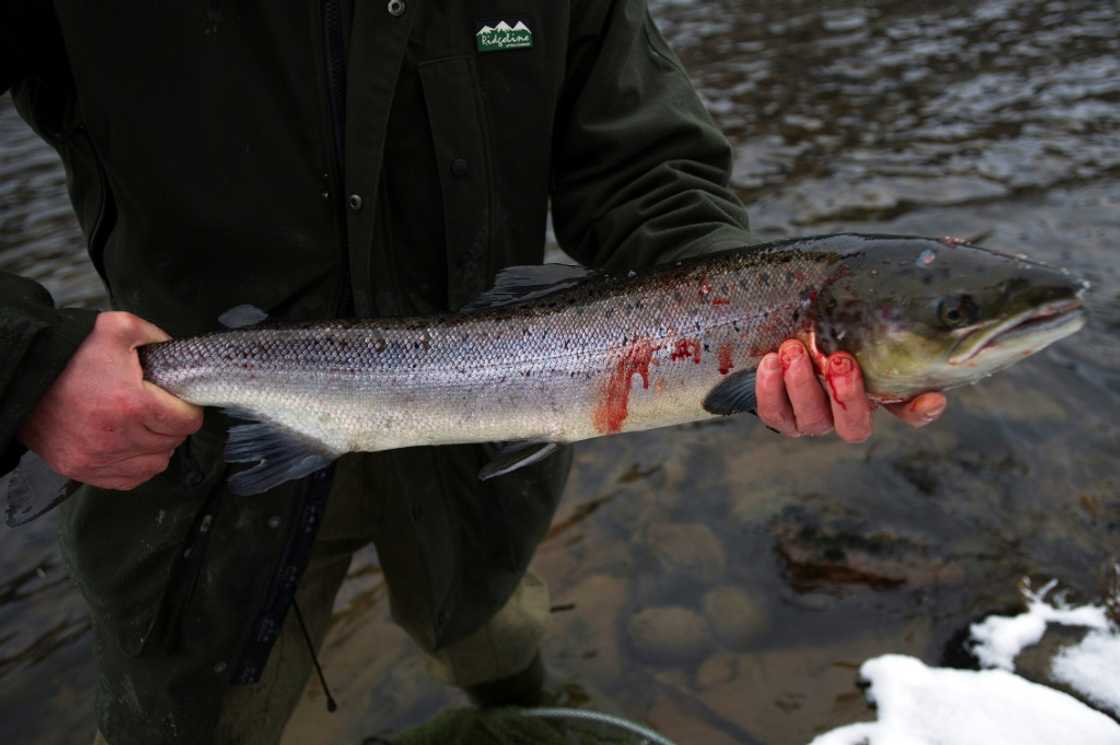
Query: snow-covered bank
{"x": 920, "y": 705}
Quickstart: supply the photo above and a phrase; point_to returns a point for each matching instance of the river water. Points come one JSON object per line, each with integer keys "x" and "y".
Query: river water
{"x": 717, "y": 581}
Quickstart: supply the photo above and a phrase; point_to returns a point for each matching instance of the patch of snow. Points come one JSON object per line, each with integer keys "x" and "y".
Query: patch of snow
{"x": 919, "y": 705}
{"x": 1092, "y": 668}
{"x": 998, "y": 640}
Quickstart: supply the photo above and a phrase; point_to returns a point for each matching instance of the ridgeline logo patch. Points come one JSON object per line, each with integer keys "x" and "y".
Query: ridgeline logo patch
{"x": 502, "y": 36}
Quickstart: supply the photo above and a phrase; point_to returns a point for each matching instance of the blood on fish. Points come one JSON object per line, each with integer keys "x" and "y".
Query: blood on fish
{"x": 725, "y": 362}
{"x": 615, "y": 401}
{"x": 685, "y": 348}
{"x": 720, "y": 301}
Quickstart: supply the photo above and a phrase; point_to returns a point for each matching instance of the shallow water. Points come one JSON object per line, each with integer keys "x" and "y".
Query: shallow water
{"x": 717, "y": 581}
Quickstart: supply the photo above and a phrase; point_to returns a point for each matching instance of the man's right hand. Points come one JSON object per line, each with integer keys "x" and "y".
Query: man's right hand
{"x": 101, "y": 423}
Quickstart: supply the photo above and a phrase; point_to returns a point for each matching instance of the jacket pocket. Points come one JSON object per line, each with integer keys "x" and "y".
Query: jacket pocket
{"x": 129, "y": 552}
{"x": 462, "y": 153}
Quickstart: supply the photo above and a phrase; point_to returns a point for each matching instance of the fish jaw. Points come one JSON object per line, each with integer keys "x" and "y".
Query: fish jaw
{"x": 1032, "y": 329}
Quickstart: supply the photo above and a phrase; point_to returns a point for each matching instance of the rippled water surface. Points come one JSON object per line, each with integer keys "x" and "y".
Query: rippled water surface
{"x": 717, "y": 581}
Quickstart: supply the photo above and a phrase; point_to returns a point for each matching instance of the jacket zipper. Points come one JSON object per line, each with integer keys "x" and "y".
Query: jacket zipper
{"x": 335, "y": 68}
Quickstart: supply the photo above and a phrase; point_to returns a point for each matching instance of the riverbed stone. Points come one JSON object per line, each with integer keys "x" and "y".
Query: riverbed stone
{"x": 672, "y": 717}
{"x": 588, "y": 634}
{"x": 689, "y": 549}
{"x": 670, "y": 634}
{"x": 716, "y": 670}
{"x": 736, "y": 618}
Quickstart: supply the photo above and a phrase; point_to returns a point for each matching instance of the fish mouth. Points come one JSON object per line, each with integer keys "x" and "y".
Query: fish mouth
{"x": 1051, "y": 321}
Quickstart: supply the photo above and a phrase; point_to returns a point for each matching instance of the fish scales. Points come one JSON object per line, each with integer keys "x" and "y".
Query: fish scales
{"x": 598, "y": 359}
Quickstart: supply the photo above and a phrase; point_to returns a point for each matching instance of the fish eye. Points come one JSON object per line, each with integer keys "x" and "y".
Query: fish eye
{"x": 957, "y": 311}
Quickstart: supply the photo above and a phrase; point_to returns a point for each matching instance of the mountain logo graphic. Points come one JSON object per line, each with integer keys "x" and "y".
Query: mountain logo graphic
{"x": 502, "y": 36}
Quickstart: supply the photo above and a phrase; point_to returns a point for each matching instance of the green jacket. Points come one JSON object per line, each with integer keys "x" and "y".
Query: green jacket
{"x": 390, "y": 163}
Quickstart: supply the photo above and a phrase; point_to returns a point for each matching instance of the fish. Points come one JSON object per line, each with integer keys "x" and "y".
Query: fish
{"x": 557, "y": 354}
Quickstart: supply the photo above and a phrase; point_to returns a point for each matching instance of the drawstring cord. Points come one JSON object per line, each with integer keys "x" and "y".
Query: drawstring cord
{"x": 332, "y": 706}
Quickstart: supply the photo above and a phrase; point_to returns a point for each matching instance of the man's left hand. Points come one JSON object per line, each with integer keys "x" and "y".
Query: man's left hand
{"x": 792, "y": 400}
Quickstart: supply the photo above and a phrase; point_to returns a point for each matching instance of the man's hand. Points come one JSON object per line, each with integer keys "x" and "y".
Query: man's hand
{"x": 792, "y": 400}
{"x": 101, "y": 423}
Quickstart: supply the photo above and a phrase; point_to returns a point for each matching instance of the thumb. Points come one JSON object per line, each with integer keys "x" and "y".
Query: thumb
{"x": 129, "y": 329}
{"x": 170, "y": 415}
{"x": 147, "y": 333}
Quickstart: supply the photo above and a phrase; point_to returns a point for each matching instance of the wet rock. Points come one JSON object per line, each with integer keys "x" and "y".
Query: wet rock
{"x": 736, "y": 618}
{"x": 940, "y": 472}
{"x": 670, "y": 634}
{"x": 720, "y": 668}
{"x": 588, "y": 634}
{"x": 672, "y": 717}
{"x": 821, "y": 552}
{"x": 785, "y": 694}
{"x": 1013, "y": 400}
{"x": 814, "y": 601}
{"x": 689, "y": 549}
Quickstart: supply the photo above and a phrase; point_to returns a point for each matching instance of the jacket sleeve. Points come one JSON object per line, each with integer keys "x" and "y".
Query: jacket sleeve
{"x": 640, "y": 171}
{"x": 22, "y": 25}
{"x": 37, "y": 341}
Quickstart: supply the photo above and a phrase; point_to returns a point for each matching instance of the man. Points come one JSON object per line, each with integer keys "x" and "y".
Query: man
{"x": 332, "y": 159}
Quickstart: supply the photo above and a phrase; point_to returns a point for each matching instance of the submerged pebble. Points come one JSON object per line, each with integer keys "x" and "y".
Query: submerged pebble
{"x": 669, "y": 634}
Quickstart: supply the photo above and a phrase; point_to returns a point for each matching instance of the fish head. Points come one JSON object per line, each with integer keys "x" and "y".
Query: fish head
{"x": 923, "y": 314}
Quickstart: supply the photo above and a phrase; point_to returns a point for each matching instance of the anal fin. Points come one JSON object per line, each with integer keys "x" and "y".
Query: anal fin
{"x": 279, "y": 453}
{"x": 516, "y": 455}
{"x": 733, "y": 395}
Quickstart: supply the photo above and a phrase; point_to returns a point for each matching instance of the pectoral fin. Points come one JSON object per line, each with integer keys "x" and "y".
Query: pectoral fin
{"x": 733, "y": 395}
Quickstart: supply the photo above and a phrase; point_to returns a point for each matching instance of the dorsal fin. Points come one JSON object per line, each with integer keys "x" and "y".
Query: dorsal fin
{"x": 518, "y": 284}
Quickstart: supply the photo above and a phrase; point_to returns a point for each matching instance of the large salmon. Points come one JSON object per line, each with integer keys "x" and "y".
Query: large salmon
{"x": 558, "y": 354}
